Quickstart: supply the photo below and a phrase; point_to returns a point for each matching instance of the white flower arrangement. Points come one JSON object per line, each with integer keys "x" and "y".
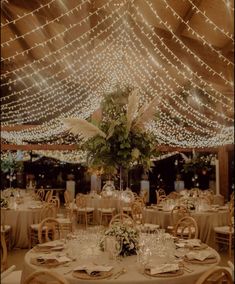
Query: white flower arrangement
{"x": 128, "y": 239}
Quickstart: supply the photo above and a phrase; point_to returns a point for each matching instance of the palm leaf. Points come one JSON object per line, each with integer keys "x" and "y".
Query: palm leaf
{"x": 132, "y": 108}
{"x": 82, "y": 128}
{"x": 147, "y": 112}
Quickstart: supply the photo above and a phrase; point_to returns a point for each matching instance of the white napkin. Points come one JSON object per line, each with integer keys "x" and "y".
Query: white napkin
{"x": 162, "y": 268}
{"x": 60, "y": 259}
{"x": 91, "y": 268}
{"x": 189, "y": 243}
{"x": 52, "y": 244}
{"x": 200, "y": 255}
{"x": 34, "y": 206}
{"x": 5, "y": 273}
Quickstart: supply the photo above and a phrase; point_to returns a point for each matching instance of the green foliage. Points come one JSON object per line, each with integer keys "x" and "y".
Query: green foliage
{"x": 10, "y": 165}
{"x": 199, "y": 163}
{"x": 121, "y": 148}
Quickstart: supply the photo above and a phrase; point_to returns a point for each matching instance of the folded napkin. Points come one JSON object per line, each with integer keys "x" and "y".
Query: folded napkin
{"x": 92, "y": 269}
{"x": 49, "y": 259}
{"x": 163, "y": 268}
{"x": 52, "y": 244}
{"x": 199, "y": 255}
{"x": 189, "y": 243}
{"x": 35, "y": 206}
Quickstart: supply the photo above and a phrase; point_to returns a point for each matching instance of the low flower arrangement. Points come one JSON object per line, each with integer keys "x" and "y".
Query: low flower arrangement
{"x": 4, "y": 203}
{"x": 128, "y": 239}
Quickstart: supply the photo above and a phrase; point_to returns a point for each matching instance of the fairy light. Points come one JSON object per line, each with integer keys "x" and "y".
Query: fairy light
{"x": 208, "y": 20}
{"x": 177, "y": 39}
{"x": 220, "y": 55}
{"x": 155, "y": 46}
{"x": 77, "y": 88}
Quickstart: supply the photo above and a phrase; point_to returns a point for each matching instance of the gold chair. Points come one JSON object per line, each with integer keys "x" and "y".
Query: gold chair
{"x": 217, "y": 275}
{"x": 160, "y": 195}
{"x": 8, "y": 276}
{"x": 6, "y": 230}
{"x": 48, "y": 230}
{"x": 173, "y": 195}
{"x": 83, "y": 211}
{"x": 56, "y": 202}
{"x": 122, "y": 219}
{"x": 48, "y": 210}
{"x": 224, "y": 235}
{"x": 49, "y": 195}
{"x": 137, "y": 215}
{"x": 106, "y": 212}
{"x": 177, "y": 213}
{"x": 137, "y": 212}
{"x": 40, "y": 194}
{"x": 45, "y": 276}
{"x": 186, "y": 228}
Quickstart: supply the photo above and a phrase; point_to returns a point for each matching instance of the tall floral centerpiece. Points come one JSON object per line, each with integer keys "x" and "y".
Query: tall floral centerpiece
{"x": 118, "y": 141}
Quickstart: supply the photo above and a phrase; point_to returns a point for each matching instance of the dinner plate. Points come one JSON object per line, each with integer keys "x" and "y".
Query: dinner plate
{"x": 97, "y": 276}
{"x": 165, "y": 274}
{"x": 205, "y": 261}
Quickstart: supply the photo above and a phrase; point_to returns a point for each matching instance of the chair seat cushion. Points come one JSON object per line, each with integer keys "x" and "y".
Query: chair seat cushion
{"x": 63, "y": 220}
{"x": 170, "y": 227}
{"x": 88, "y": 209}
{"x": 223, "y": 230}
{"x": 106, "y": 210}
{"x": 13, "y": 278}
{"x": 5, "y": 229}
{"x": 151, "y": 226}
{"x": 186, "y": 230}
{"x": 35, "y": 227}
{"x": 126, "y": 209}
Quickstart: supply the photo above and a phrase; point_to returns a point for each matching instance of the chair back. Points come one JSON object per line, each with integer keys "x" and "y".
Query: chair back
{"x": 178, "y": 212}
{"x": 49, "y": 195}
{"x": 160, "y": 195}
{"x": 122, "y": 219}
{"x": 81, "y": 201}
{"x": 3, "y": 253}
{"x": 186, "y": 228}
{"x": 173, "y": 195}
{"x": 137, "y": 212}
{"x": 48, "y": 230}
{"x": 45, "y": 276}
{"x": 40, "y": 194}
{"x": 216, "y": 275}
{"x": 48, "y": 210}
{"x": 55, "y": 201}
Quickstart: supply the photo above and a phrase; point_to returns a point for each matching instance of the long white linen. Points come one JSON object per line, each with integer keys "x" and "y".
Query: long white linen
{"x": 82, "y": 248}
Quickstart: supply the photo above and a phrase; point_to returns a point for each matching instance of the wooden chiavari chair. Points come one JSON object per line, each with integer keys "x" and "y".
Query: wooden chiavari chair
{"x": 186, "y": 228}
{"x": 83, "y": 211}
{"x": 216, "y": 275}
{"x": 224, "y": 235}
{"x": 8, "y": 276}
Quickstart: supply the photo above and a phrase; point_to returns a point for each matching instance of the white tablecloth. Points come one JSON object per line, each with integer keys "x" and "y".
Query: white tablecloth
{"x": 20, "y": 219}
{"x": 206, "y": 221}
{"x": 132, "y": 274}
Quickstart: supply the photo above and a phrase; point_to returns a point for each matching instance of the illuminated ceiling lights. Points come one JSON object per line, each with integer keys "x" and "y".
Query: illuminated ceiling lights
{"x": 118, "y": 50}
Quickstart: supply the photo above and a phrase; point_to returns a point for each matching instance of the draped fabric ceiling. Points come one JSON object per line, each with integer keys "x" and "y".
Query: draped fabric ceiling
{"x": 60, "y": 57}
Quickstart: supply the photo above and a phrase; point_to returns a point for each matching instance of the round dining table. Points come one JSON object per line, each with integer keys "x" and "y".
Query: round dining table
{"x": 206, "y": 221}
{"x": 84, "y": 251}
{"x": 20, "y": 217}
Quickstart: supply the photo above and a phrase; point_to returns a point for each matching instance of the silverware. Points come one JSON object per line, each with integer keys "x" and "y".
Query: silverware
{"x": 67, "y": 272}
{"x": 119, "y": 273}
